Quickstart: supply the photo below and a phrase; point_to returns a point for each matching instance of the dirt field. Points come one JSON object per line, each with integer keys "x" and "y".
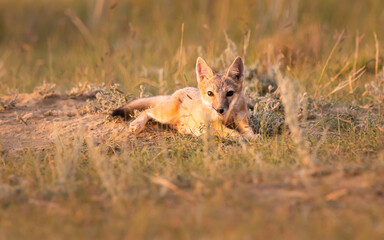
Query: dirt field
{"x": 55, "y": 126}
{"x": 38, "y": 120}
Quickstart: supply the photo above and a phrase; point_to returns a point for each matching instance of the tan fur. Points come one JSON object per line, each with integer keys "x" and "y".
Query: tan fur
{"x": 191, "y": 110}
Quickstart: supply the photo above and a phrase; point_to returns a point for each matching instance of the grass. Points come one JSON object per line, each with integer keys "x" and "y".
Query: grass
{"x": 316, "y": 174}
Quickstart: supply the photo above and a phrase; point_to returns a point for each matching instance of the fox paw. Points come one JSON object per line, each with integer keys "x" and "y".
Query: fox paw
{"x": 136, "y": 127}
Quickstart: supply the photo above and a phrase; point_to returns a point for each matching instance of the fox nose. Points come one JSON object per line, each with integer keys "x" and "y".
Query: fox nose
{"x": 221, "y": 111}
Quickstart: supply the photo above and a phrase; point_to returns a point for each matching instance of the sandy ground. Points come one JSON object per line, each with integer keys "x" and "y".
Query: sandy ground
{"x": 36, "y": 121}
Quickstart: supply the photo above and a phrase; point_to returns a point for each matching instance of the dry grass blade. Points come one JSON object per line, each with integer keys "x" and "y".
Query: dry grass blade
{"x": 357, "y": 75}
{"x": 181, "y": 46}
{"x": 342, "y": 70}
{"x": 336, "y": 195}
{"x": 99, "y": 5}
{"x": 67, "y": 154}
{"x": 247, "y": 36}
{"x": 376, "y": 56}
{"x": 356, "y": 55}
{"x": 167, "y": 184}
{"x": 330, "y": 55}
{"x": 80, "y": 26}
{"x": 291, "y": 106}
{"x": 105, "y": 170}
{"x": 229, "y": 53}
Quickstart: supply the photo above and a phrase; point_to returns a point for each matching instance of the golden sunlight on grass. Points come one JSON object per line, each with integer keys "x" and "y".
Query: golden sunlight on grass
{"x": 314, "y": 81}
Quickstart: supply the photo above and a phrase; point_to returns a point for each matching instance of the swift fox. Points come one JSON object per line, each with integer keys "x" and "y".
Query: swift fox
{"x": 218, "y": 102}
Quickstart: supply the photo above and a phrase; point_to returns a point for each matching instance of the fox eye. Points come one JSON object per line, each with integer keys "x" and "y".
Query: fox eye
{"x": 230, "y": 93}
{"x": 210, "y": 93}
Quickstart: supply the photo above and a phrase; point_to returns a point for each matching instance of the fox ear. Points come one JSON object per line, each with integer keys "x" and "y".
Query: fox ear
{"x": 236, "y": 70}
{"x": 202, "y": 70}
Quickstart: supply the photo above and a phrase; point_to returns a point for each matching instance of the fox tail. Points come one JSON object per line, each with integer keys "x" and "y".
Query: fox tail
{"x": 140, "y": 104}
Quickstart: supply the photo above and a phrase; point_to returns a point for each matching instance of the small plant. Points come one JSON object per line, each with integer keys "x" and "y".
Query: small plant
{"x": 7, "y": 104}
{"x": 45, "y": 90}
{"x": 375, "y": 89}
{"x": 267, "y": 113}
{"x": 108, "y": 99}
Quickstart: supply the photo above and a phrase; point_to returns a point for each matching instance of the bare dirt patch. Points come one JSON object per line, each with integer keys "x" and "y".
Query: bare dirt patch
{"x": 36, "y": 120}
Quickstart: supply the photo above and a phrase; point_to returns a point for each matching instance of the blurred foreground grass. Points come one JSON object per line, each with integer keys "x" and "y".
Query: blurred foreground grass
{"x": 180, "y": 187}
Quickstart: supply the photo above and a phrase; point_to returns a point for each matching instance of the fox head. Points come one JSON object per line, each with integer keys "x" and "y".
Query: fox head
{"x": 220, "y": 91}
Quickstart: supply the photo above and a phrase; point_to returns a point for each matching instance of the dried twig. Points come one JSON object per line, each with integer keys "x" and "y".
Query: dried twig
{"x": 355, "y": 76}
{"x": 80, "y": 26}
{"x": 376, "y": 57}
{"x": 330, "y": 56}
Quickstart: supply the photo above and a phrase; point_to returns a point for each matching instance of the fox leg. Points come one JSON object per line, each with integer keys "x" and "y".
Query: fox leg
{"x": 244, "y": 128}
{"x": 222, "y": 131}
{"x": 138, "y": 124}
{"x": 165, "y": 111}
